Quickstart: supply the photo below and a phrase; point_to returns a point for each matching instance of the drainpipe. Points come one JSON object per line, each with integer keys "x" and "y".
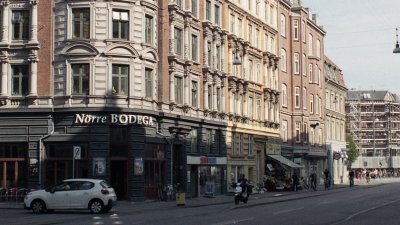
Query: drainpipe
{"x": 41, "y": 149}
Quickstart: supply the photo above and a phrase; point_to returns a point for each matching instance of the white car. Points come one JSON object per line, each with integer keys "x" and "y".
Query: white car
{"x": 95, "y": 195}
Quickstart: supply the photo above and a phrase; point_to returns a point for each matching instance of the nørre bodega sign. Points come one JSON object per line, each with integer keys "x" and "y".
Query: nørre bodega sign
{"x": 124, "y": 119}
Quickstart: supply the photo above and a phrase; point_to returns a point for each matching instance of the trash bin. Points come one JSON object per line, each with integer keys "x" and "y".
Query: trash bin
{"x": 180, "y": 199}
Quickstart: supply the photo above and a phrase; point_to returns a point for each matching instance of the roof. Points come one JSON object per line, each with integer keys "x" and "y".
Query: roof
{"x": 372, "y": 95}
{"x": 333, "y": 72}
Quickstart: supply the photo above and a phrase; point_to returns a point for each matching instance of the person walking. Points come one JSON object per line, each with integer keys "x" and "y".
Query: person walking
{"x": 327, "y": 179}
{"x": 295, "y": 179}
{"x": 351, "y": 178}
{"x": 313, "y": 178}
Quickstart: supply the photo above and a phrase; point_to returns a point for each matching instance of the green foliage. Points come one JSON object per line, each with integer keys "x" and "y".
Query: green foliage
{"x": 353, "y": 153}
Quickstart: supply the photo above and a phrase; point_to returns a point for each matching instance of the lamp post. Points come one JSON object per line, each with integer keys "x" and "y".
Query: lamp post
{"x": 397, "y": 48}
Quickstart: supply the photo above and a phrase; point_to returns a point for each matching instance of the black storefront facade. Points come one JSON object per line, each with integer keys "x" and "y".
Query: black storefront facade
{"x": 130, "y": 149}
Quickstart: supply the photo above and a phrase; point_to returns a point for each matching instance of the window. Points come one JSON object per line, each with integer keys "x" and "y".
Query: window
{"x": 120, "y": 79}
{"x": 179, "y": 3}
{"x": 316, "y": 74}
{"x": 311, "y": 104}
{"x": 266, "y": 42}
{"x": 320, "y": 107}
{"x": 240, "y": 138}
{"x": 284, "y": 131}
{"x": 271, "y": 16}
{"x": 178, "y": 41}
{"x": 303, "y": 65}
{"x": 208, "y": 10}
{"x": 249, "y": 4}
{"x": 149, "y": 24}
{"x": 239, "y": 28}
{"x": 148, "y": 74}
{"x": 250, "y": 109}
{"x": 283, "y": 60}
{"x": 310, "y": 73}
{"x": 195, "y": 91}
{"x": 19, "y": 76}
{"x": 80, "y": 79}
{"x": 232, "y": 24}
{"x": 216, "y": 14}
{"x": 312, "y": 136}
{"x": 283, "y": 25}
{"x": 284, "y": 95}
{"x": 20, "y": 24}
{"x": 310, "y": 44}
{"x": 250, "y": 142}
{"x": 251, "y": 70}
{"x": 317, "y": 105}
{"x": 208, "y": 140}
{"x": 81, "y": 23}
{"x": 258, "y": 78}
{"x": 218, "y": 56}
{"x": 258, "y": 109}
{"x": 194, "y": 8}
{"x": 297, "y": 97}
{"x": 257, "y": 44}
{"x": 319, "y": 77}
{"x": 193, "y": 139}
{"x": 296, "y": 30}
{"x": 297, "y": 131}
{"x": 305, "y": 98}
{"x": 210, "y": 97}
{"x": 178, "y": 90}
{"x": 219, "y": 98}
{"x": 296, "y": 63}
{"x": 266, "y": 8}
{"x": 303, "y": 31}
{"x": 121, "y": 24}
{"x": 320, "y": 137}
{"x": 250, "y": 35}
{"x": 195, "y": 44}
{"x": 209, "y": 55}
{"x": 305, "y": 132}
{"x": 318, "y": 49}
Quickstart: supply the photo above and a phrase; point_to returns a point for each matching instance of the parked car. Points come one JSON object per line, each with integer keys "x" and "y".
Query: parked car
{"x": 92, "y": 194}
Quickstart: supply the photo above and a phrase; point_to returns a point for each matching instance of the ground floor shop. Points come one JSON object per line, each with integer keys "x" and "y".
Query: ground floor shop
{"x": 138, "y": 153}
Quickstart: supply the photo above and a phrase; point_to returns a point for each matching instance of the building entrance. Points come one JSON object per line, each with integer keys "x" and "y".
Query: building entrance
{"x": 118, "y": 171}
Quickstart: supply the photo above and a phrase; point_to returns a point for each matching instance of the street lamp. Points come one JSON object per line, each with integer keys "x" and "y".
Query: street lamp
{"x": 397, "y": 48}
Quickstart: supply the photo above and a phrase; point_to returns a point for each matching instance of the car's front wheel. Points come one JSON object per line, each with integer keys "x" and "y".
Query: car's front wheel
{"x": 38, "y": 206}
{"x": 96, "y": 206}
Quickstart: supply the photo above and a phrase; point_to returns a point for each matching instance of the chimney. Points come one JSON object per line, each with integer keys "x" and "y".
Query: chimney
{"x": 315, "y": 19}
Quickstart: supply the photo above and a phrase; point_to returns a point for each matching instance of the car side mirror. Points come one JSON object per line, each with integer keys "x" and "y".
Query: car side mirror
{"x": 52, "y": 190}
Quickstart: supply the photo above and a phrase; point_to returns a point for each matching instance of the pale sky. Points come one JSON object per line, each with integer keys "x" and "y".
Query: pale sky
{"x": 361, "y": 36}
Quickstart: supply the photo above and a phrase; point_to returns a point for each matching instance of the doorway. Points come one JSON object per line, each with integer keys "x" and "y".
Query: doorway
{"x": 118, "y": 171}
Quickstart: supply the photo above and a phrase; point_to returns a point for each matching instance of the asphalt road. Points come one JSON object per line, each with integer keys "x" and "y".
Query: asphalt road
{"x": 375, "y": 205}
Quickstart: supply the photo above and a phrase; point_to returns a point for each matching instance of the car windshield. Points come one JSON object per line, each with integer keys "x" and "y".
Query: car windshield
{"x": 105, "y": 184}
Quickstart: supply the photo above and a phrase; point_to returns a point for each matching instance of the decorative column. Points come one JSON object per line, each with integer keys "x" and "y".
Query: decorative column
{"x": 33, "y": 76}
{"x": 214, "y": 87}
{"x": 206, "y": 94}
{"x": 171, "y": 37}
{"x": 223, "y": 106}
{"x": 186, "y": 39}
{"x": 206, "y": 52}
{"x": 186, "y": 93}
{"x": 171, "y": 88}
{"x": 266, "y": 108}
{"x": 34, "y": 21}
{"x": 223, "y": 53}
{"x": 4, "y": 72}
{"x": 4, "y": 30}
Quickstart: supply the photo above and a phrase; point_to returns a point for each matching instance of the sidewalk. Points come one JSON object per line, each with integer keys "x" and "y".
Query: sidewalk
{"x": 255, "y": 199}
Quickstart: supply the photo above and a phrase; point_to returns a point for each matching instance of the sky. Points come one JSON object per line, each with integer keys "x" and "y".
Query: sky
{"x": 360, "y": 38}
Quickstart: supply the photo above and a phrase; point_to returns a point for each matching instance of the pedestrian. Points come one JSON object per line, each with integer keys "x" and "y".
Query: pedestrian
{"x": 313, "y": 178}
{"x": 295, "y": 179}
{"x": 327, "y": 179}
{"x": 351, "y": 178}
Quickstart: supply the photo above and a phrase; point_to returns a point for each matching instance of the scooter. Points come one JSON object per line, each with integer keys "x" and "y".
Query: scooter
{"x": 242, "y": 192}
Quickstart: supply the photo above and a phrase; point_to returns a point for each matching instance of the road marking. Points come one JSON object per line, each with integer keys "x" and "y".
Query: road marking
{"x": 367, "y": 210}
{"x": 234, "y": 221}
{"x": 287, "y": 210}
{"x": 277, "y": 195}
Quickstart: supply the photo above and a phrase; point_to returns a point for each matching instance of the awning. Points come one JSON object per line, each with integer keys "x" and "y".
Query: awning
{"x": 285, "y": 161}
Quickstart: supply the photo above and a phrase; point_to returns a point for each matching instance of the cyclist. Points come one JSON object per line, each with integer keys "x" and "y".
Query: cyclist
{"x": 327, "y": 179}
{"x": 367, "y": 177}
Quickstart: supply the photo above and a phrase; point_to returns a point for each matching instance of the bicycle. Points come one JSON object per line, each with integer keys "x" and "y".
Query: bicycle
{"x": 304, "y": 183}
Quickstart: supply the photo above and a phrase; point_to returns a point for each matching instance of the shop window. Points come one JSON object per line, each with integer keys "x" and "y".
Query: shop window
{"x": 208, "y": 140}
{"x": 13, "y": 165}
{"x": 194, "y": 140}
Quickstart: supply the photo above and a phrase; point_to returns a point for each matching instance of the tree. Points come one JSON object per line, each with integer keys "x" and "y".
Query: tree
{"x": 353, "y": 153}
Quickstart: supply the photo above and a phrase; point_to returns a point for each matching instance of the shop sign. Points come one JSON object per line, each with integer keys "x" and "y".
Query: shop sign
{"x": 138, "y": 166}
{"x": 205, "y": 160}
{"x": 208, "y": 160}
{"x": 123, "y": 119}
{"x": 336, "y": 156}
{"x": 272, "y": 149}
